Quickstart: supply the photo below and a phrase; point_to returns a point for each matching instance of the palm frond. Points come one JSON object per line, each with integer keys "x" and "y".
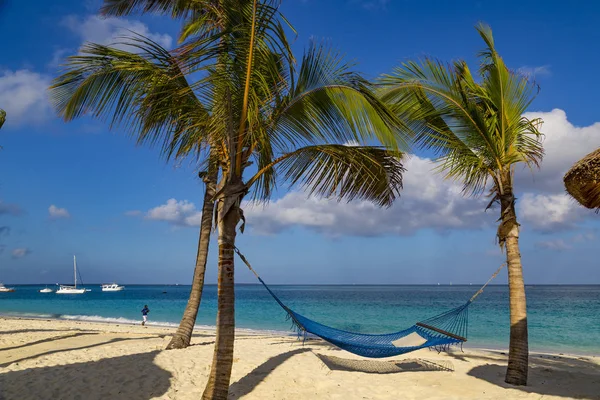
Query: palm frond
{"x": 145, "y": 92}
{"x": 174, "y": 8}
{"x": 330, "y": 103}
{"x": 476, "y": 128}
{"x": 343, "y": 172}
{"x": 233, "y": 87}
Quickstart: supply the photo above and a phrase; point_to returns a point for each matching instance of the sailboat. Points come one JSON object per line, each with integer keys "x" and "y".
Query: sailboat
{"x": 63, "y": 289}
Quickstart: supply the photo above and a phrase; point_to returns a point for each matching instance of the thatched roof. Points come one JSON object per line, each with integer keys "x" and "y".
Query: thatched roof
{"x": 583, "y": 180}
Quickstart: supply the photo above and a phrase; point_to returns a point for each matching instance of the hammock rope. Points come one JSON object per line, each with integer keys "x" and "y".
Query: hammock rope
{"x": 438, "y": 332}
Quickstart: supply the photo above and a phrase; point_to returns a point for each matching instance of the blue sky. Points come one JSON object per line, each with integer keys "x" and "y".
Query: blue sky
{"x": 130, "y": 217}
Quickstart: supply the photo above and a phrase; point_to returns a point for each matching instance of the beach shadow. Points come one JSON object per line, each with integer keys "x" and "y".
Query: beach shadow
{"x": 199, "y": 335}
{"x": 247, "y": 383}
{"x": 307, "y": 342}
{"x": 35, "y": 330}
{"x": 460, "y": 356}
{"x": 548, "y": 375}
{"x": 384, "y": 367}
{"x": 51, "y": 339}
{"x": 200, "y": 344}
{"x": 111, "y": 341}
{"x": 133, "y": 377}
{"x": 237, "y": 338}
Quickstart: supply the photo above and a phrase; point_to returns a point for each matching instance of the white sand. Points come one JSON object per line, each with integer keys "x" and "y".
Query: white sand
{"x": 48, "y": 359}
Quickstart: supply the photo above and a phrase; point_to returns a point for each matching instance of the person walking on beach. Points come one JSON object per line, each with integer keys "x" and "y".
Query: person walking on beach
{"x": 145, "y": 312}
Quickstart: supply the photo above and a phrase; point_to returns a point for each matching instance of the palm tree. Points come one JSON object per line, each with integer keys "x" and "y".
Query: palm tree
{"x": 183, "y": 336}
{"x": 193, "y": 10}
{"x": 2, "y": 117}
{"x": 478, "y": 132}
{"x": 256, "y": 107}
{"x": 203, "y": 19}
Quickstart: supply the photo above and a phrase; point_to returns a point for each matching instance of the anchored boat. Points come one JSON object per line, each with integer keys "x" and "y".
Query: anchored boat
{"x": 112, "y": 287}
{"x": 4, "y": 289}
{"x": 64, "y": 289}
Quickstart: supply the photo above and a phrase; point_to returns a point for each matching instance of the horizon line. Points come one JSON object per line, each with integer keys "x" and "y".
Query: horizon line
{"x": 315, "y": 284}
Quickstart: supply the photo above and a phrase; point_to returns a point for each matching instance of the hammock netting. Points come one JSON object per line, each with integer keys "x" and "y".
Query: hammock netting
{"x": 438, "y": 332}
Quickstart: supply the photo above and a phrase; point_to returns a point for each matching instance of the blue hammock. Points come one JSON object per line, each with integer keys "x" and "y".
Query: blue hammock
{"x": 439, "y": 332}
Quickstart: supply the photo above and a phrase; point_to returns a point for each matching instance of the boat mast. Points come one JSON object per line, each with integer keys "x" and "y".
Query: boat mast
{"x": 75, "y": 270}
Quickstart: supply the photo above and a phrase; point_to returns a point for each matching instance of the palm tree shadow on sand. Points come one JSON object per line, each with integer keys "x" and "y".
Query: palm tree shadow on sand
{"x": 132, "y": 377}
{"x": 247, "y": 383}
{"x": 552, "y": 375}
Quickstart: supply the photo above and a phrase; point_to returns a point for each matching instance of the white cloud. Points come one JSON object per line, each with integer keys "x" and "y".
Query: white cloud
{"x": 57, "y": 213}
{"x": 542, "y": 70}
{"x": 564, "y": 144}
{"x": 428, "y": 201}
{"x": 550, "y": 212}
{"x": 58, "y": 57}
{"x": 109, "y": 31}
{"x": 556, "y": 244}
{"x": 180, "y": 213}
{"x": 568, "y": 243}
{"x": 23, "y": 96}
{"x": 20, "y": 252}
{"x": 23, "y": 93}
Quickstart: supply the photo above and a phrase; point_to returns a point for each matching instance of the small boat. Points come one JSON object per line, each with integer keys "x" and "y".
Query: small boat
{"x": 46, "y": 290}
{"x": 112, "y": 287}
{"x": 64, "y": 289}
{"x": 4, "y": 289}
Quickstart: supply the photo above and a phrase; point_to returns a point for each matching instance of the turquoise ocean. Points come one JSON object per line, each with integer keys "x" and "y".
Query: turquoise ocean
{"x": 561, "y": 318}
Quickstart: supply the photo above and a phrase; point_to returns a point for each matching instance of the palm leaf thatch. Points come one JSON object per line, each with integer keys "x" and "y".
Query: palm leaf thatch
{"x": 582, "y": 181}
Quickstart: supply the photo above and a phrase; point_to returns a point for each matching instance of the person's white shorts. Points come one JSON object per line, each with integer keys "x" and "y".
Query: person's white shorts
{"x": 145, "y": 318}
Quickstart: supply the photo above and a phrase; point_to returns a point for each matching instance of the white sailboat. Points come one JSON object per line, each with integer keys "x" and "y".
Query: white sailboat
{"x": 63, "y": 289}
{"x": 112, "y": 287}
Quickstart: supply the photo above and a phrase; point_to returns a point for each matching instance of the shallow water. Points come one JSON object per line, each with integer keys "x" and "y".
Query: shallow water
{"x": 561, "y": 318}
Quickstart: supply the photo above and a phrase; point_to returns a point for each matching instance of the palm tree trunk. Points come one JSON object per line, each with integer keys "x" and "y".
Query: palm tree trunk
{"x": 183, "y": 336}
{"x": 508, "y": 234}
{"x": 217, "y": 387}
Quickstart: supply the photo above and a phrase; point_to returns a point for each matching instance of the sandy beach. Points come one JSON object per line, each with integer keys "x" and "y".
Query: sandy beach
{"x": 43, "y": 359}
